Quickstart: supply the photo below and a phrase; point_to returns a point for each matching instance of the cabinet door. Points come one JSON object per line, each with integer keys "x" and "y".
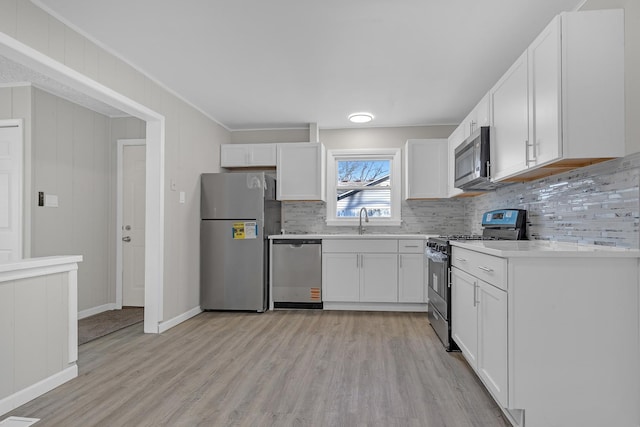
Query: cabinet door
{"x": 455, "y": 139}
{"x": 243, "y": 155}
{"x": 468, "y": 123}
{"x": 340, "y": 277}
{"x": 234, "y": 155}
{"x": 464, "y": 322}
{"x": 262, "y": 155}
{"x": 492, "y": 339}
{"x": 379, "y": 277}
{"x": 300, "y": 171}
{"x": 479, "y": 116}
{"x": 545, "y": 95}
{"x": 510, "y": 138}
{"x": 426, "y": 172}
{"x": 411, "y": 278}
{"x": 482, "y": 112}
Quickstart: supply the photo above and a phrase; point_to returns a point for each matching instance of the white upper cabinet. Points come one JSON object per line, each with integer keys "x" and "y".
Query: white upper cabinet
{"x": 301, "y": 171}
{"x": 455, "y": 139}
{"x": 426, "y": 168}
{"x": 545, "y": 64}
{"x": 561, "y": 105}
{"x": 479, "y": 116}
{"x": 247, "y": 155}
{"x": 510, "y": 131}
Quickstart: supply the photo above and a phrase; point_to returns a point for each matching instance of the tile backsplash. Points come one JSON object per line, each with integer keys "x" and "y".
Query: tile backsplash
{"x": 418, "y": 217}
{"x": 598, "y": 204}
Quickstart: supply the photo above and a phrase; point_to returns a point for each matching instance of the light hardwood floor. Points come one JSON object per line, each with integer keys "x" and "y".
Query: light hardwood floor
{"x": 282, "y": 368}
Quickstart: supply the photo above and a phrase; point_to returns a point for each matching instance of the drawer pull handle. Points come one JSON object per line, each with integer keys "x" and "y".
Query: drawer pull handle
{"x": 461, "y": 259}
{"x": 487, "y": 269}
{"x": 411, "y": 246}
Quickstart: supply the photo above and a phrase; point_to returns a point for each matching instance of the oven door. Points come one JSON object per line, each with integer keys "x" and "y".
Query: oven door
{"x": 439, "y": 283}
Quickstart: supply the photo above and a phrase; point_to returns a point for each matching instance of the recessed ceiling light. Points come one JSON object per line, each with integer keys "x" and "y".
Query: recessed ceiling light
{"x": 361, "y": 117}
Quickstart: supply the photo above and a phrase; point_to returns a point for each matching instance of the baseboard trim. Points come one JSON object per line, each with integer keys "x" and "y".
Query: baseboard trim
{"x": 96, "y": 310}
{"x": 25, "y": 395}
{"x": 164, "y": 326}
{"x": 376, "y": 306}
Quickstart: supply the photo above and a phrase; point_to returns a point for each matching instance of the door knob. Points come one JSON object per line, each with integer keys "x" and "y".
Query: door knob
{"x": 126, "y": 239}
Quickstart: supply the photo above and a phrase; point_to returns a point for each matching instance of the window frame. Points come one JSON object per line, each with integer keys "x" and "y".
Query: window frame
{"x": 395, "y": 175}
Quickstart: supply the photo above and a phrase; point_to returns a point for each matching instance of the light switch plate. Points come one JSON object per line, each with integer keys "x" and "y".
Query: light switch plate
{"x": 183, "y": 197}
{"x": 51, "y": 200}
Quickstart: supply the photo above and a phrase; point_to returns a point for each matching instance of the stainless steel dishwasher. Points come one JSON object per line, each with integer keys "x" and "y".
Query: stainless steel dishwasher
{"x": 297, "y": 273}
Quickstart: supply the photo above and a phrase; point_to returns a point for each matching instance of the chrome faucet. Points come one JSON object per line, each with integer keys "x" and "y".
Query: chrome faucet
{"x": 366, "y": 219}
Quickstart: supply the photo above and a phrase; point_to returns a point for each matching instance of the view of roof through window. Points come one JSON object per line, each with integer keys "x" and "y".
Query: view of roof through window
{"x": 364, "y": 183}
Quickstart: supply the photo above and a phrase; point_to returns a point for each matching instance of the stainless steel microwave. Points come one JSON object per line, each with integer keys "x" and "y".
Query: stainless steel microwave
{"x": 473, "y": 162}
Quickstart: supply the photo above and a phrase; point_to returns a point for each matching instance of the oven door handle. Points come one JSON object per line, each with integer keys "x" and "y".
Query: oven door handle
{"x": 436, "y": 256}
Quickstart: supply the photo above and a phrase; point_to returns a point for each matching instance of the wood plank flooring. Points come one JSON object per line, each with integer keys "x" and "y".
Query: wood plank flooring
{"x": 280, "y": 368}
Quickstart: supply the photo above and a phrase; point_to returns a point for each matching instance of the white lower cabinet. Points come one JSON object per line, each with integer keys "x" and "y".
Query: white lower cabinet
{"x": 374, "y": 272}
{"x": 378, "y": 277}
{"x": 492, "y": 339}
{"x": 411, "y": 271}
{"x": 411, "y": 278}
{"x": 529, "y": 325}
{"x": 341, "y": 277}
{"x": 464, "y": 314}
{"x": 479, "y": 321}
{"x": 356, "y": 277}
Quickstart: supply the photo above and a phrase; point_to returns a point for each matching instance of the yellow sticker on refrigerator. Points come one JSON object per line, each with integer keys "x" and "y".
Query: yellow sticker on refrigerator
{"x": 245, "y": 230}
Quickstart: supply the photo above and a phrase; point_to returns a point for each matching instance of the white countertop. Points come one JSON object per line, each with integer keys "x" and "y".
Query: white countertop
{"x": 27, "y": 263}
{"x": 352, "y": 236}
{"x": 544, "y": 248}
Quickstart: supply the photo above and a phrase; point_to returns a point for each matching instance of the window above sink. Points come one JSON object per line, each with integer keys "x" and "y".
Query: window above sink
{"x": 367, "y": 179}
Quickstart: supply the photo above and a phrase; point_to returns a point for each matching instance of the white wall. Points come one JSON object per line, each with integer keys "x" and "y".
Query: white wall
{"x": 191, "y": 139}
{"x": 269, "y": 136}
{"x": 375, "y": 137}
{"x": 71, "y": 160}
{"x": 380, "y": 137}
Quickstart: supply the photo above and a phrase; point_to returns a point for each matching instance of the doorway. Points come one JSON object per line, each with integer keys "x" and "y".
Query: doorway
{"x": 130, "y": 223}
{"x": 40, "y": 63}
{"x": 11, "y": 165}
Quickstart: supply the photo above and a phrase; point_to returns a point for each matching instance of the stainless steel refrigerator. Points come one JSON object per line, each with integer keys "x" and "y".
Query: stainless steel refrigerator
{"x": 238, "y": 212}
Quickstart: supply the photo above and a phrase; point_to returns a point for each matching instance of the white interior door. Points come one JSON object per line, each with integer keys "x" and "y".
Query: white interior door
{"x": 133, "y": 217}
{"x": 10, "y": 190}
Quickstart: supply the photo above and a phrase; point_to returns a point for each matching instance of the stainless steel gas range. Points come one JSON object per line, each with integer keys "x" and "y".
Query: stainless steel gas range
{"x": 502, "y": 224}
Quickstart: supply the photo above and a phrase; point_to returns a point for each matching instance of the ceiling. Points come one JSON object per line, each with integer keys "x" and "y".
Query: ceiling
{"x": 256, "y": 64}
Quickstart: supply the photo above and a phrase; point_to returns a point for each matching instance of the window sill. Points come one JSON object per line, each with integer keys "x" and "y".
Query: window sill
{"x": 371, "y": 223}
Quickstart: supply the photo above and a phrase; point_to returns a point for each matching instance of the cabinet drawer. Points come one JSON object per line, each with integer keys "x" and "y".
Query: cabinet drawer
{"x": 360, "y": 245}
{"x": 414, "y": 246}
{"x": 489, "y": 268}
